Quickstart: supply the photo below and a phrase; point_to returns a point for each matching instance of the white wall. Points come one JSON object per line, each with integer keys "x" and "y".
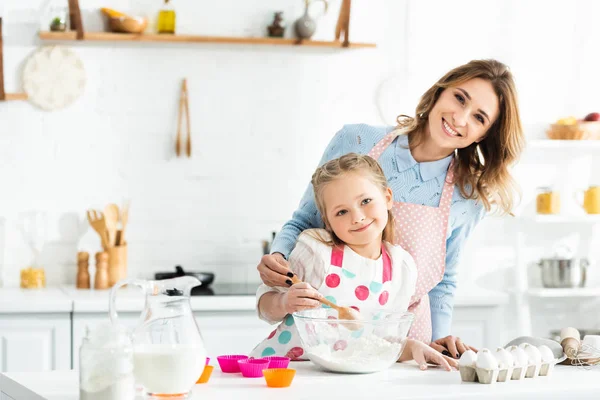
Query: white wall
{"x": 261, "y": 116}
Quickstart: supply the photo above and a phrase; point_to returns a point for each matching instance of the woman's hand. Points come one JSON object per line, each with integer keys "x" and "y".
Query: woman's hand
{"x": 422, "y": 354}
{"x": 301, "y": 296}
{"x": 451, "y": 346}
{"x": 275, "y": 270}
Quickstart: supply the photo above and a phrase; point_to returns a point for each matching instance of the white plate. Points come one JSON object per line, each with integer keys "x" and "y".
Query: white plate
{"x": 53, "y": 77}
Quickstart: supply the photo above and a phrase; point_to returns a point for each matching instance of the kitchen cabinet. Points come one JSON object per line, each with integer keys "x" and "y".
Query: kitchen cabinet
{"x": 233, "y": 332}
{"x": 35, "y": 342}
{"x": 478, "y": 326}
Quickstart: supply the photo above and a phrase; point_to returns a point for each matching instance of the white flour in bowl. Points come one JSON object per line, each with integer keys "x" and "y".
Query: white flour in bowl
{"x": 367, "y": 354}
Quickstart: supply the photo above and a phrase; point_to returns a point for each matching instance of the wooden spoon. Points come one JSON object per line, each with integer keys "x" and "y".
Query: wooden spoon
{"x": 343, "y": 312}
{"x": 124, "y": 220}
{"x": 111, "y": 217}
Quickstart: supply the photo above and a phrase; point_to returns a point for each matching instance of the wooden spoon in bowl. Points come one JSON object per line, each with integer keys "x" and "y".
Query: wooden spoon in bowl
{"x": 346, "y": 313}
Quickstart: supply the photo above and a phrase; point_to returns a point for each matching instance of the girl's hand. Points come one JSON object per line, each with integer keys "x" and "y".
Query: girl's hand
{"x": 301, "y": 296}
{"x": 422, "y": 354}
{"x": 451, "y": 346}
{"x": 275, "y": 270}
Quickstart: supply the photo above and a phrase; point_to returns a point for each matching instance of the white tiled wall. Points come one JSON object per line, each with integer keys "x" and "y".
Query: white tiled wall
{"x": 261, "y": 117}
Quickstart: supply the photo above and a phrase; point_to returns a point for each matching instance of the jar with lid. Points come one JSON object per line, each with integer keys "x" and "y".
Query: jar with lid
{"x": 106, "y": 364}
{"x": 547, "y": 201}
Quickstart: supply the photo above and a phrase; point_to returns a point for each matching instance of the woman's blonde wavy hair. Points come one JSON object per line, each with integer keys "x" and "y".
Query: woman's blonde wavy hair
{"x": 337, "y": 169}
{"x": 481, "y": 170}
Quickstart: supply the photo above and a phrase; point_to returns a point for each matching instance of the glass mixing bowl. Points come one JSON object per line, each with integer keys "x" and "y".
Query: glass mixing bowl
{"x": 372, "y": 343}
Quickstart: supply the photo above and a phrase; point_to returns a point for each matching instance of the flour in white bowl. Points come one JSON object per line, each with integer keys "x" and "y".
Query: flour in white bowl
{"x": 366, "y": 354}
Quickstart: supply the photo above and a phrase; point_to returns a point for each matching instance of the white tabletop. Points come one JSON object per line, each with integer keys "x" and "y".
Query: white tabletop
{"x": 17, "y": 300}
{"x": 402, "y": 381}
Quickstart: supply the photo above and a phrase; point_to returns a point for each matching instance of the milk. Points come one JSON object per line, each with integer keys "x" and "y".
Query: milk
{"x": 168, "y": 369}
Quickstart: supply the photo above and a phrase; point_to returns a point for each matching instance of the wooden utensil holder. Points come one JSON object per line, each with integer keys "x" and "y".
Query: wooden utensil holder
{"x": 117, "y": 264}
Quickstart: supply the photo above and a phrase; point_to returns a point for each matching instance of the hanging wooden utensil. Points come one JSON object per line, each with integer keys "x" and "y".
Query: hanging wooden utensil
{"x": 184, "y": 109}
{"x": 75, "y": 18}
{"x": 343, "y": 23}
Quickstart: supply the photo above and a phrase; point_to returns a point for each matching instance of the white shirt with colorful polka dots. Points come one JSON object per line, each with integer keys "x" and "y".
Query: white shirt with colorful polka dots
{"x": 311, "y": 261}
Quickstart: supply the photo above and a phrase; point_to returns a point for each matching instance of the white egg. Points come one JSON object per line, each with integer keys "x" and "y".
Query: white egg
{"x": 486, "y": 360}
{"x": 505, "y": 359}
{"x": 468, "y": 359}
{"x": 534, "y": 355}
{"x": 520, "y": 358}
{"x": 546, "y": 353}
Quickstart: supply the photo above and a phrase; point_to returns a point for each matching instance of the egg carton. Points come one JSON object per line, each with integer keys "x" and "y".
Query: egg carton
{"x": 536, "y": 366}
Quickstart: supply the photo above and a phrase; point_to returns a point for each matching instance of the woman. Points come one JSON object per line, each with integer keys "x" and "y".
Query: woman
{"x": 447, "y": 167}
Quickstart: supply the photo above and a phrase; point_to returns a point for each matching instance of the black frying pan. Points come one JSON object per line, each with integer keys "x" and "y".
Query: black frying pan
{"x": 205, "y": 277}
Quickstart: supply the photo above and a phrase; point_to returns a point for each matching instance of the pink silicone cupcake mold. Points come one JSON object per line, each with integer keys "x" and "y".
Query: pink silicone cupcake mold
{"x": 253, "y": 368}
{"x": 277, "y": 362}
{"x": 229, "y": 363}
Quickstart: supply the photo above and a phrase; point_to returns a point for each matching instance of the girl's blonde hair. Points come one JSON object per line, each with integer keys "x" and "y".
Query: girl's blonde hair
{"x": 481, "y": 169}
{"x": 336, "y": 169}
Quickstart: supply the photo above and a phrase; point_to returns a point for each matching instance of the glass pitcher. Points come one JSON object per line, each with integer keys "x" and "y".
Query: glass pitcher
{"x": 168, "y": 351}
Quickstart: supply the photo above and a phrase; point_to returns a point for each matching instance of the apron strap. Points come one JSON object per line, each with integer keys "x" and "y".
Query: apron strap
{"x": 387, "y": 265}
{"x": 337, "y": 256}
{"x": 383, "y": 144}
{"x": 448, "y": 190}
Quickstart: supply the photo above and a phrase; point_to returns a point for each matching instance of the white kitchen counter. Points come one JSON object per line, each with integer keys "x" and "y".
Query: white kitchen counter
{"x": 71, "y": 299}
{"x": 402, "y": 381}
{"x": 132, "y": 300}
{"x": 48, "y": 300}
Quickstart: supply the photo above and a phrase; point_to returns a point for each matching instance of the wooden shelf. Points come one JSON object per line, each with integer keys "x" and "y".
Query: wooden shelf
{"x": 563, "y": 144}
{"x": 15, "y": 96}
{"x": 128, "y": 37}
{"x": 566, "y": 292}
{"x": 557, "y": 219}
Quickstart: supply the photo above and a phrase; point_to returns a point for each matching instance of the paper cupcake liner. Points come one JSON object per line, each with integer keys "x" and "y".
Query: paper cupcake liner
{"x": 279, "y": 377}
{"x": 253, "y": 368}
{"x": 276, "y": 362}
{"x": 487, "y": 376}
{"x": 205, "y": 374}
{"x": 229, "y": 363}
{"x": 468, "y": 374}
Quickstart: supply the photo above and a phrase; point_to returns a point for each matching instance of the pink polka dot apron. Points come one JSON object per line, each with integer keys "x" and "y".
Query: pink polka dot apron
{"x": 421, "y": 230}
{"x": 345, "y": 284}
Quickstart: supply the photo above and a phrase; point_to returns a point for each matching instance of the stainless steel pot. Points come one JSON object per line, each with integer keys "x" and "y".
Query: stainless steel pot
{"x": 563, "y": 272}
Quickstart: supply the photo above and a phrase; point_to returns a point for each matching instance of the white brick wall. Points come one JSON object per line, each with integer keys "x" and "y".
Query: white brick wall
{"x": 274, "y": 109}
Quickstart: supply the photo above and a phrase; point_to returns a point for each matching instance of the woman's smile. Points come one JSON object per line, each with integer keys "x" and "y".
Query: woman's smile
{"x": 448, "y": 129}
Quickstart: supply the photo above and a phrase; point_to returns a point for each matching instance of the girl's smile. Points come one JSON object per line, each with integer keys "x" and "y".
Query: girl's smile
{"x": 363, "y": 228}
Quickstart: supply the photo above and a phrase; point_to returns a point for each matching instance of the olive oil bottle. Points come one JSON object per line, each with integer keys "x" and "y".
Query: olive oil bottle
{"x": 166, "y": 18}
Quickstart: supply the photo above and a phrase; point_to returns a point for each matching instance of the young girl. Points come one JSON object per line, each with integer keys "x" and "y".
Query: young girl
{"x": 351, "y": 261}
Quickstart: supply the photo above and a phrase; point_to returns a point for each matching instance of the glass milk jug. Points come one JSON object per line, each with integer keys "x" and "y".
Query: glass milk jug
{"x": 168, "y": 351}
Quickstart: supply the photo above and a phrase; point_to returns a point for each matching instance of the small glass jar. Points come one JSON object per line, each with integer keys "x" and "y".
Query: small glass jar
{"x": 106, "y": 364}
{"x": 547, "y": 201}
